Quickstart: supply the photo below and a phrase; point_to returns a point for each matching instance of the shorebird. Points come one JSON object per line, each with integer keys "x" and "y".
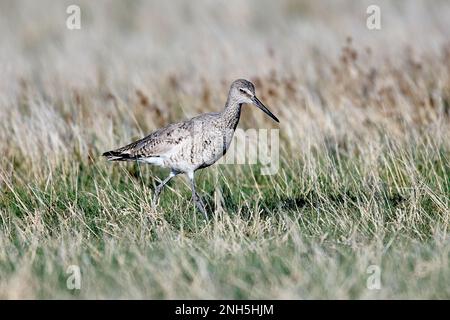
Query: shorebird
{"x": 193, "y": 144}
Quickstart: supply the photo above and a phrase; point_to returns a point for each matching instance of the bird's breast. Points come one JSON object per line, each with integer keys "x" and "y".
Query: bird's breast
{"x": 200, "y": 149}
{"x": 205, "y": 148}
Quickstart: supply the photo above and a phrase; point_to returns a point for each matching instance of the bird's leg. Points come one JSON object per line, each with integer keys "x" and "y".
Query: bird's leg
{"x": 196, "y": 197}
{"x": 160, "y": 187}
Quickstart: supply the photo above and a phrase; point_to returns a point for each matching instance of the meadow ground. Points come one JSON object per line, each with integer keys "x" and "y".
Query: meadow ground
{"x": 363, "y": 182}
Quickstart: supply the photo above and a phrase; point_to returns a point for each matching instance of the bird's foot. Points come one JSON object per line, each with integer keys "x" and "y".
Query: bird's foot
{"x": 200, "y": 206}
{"x": 156, "y": 198}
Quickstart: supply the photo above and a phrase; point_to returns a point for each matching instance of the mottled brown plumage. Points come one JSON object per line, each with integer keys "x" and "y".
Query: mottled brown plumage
{"x": 192, "y": 144}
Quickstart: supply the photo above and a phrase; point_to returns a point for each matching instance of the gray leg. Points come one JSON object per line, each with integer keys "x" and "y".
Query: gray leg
{"x": 195, "y": 196}
{"x": 161, "y": 186}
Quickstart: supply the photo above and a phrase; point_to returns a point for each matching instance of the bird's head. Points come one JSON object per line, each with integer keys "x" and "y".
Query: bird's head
{"x": 243, "y": 91}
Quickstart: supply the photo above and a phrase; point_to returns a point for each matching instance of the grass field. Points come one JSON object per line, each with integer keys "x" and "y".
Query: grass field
{"x": 363, "y": 180}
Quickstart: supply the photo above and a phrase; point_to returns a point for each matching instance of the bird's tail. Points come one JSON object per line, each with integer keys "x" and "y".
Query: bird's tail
{"x": 117, "y": 156}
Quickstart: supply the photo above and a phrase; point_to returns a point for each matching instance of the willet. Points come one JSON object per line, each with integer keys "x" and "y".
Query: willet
{"x": 193, "y": 144}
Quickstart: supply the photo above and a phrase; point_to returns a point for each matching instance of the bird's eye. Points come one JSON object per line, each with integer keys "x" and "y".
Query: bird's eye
{"x": 242, "y": 90}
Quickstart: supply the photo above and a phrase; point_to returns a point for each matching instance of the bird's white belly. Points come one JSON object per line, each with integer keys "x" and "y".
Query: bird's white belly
{"x": 158, "y": 161}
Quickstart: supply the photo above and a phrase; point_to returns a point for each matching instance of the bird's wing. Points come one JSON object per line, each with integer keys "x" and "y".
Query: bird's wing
{"x": 156, "y": 144}
{"x": 164, "y": 140}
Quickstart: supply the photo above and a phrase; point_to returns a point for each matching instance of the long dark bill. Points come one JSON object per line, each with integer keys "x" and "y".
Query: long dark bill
{"x": 260, "y": 105}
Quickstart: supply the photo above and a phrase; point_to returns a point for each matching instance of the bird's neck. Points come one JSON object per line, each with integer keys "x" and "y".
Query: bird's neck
{"x": 231, "y": 114}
